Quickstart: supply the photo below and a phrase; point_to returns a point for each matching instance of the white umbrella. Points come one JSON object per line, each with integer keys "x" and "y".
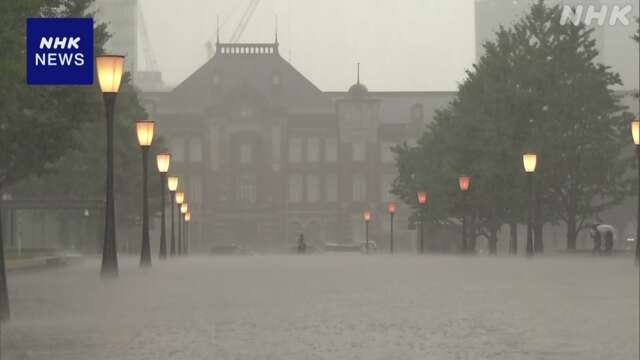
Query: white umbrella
{"x": 604, "y": 228}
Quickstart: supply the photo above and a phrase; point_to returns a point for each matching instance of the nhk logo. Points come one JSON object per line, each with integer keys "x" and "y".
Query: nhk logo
{"x": 602, "y": 14}
{"x": 59, "y": 51}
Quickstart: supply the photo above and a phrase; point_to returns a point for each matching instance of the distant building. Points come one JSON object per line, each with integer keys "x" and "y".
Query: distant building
{"x": 264, "y": 155}
{"x": 613, "y": 42}
{"x": 129, "y": 38}
{"x": 121, "y": 16}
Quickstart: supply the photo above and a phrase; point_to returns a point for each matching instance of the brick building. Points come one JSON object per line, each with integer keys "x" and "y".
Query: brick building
{"x": 264, "y": 155}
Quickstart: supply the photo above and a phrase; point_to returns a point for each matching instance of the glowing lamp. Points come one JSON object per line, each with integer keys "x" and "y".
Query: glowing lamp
{"x": 187, "y": 216}
{"x": 391, "y": 207}
{"x": 530, "y": 161}
{"x": 422, "y": 197}
{"x": 172, "y": 183}
{"x": 179, "y": 197}
{"x": 367, "y": 216}
{"x": 464, "y": 182}
{"x": 184, "y": 208}
{"x": 163, "y": 161}
{"x": 109, "y": 69}
{"x": 144, "y": 129}
{"x": 635, "y": 130}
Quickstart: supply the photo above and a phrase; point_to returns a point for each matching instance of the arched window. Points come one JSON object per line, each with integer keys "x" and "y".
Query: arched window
{"x": 417, "y": 112}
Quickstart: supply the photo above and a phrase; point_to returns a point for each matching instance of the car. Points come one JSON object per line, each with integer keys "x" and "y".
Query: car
{"x": 229, "y": 249}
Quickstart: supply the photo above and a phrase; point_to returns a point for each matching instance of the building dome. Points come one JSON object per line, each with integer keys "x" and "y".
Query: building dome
{"x": 358, "y": 90}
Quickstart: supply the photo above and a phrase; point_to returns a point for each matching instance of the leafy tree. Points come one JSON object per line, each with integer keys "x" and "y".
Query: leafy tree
{"x": 538, "y": 89}
{"x": 52, "y": 138}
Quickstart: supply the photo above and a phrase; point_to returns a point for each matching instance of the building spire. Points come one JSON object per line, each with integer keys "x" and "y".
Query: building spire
{"x": 276, "y": 25}
{"x": 218, "y": 29}
{"x": 358, "y": 73}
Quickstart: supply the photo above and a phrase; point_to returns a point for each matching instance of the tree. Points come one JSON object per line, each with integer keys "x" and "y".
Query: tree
{"x": 577, "y": 125}
{"x": 55, "y": 134}
{"x": 539, "y": 89}
{"x": 80, "y": 172}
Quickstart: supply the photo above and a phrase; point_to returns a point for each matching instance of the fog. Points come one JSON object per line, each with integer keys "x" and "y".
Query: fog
{"x": 342, "y": 180}
{"x": 379, "y": 34}
{"x": 330, "y": 307}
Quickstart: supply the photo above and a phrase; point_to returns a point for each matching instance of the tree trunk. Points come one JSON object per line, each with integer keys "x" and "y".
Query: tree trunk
{"x": 572, "y": 217}
{"x": 471, "y": 243}
{"x": 4, "y": 291}
{"x": 572, "y": 233}
{"x": 513, "y": 243}
{"x": 493, "y": 241}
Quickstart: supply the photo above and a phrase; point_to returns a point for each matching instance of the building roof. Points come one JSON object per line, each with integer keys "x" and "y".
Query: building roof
{"x": 251, "y": 73}
{"x": 396, "y": 106}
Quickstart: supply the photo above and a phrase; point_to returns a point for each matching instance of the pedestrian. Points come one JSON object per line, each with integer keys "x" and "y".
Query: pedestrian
{"x": 597, "y": 240}
{"x": 302, "y": 246}
{"x": 608, "y": 242}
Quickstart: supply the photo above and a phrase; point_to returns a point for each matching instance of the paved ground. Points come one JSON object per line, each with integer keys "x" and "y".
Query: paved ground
{"x": 329, "y": 307}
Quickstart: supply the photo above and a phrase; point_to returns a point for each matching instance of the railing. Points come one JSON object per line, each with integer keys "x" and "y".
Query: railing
{"x": 247, "y": 49}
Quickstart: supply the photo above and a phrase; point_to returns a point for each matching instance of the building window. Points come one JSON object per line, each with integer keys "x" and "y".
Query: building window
{"x": 295, "y": 150}
{"x": 247, "y": 189}
{"x": 195, "y": 193}
{"x": 417, "y": 113}
{"x": 313, "y": 149}
{"x": 246, "y": 154}
{"x": 217, "y": 80}
{"x": 358, "y": 151}
{"x": 295, "y": 188}
{"x": 387, "y": 155}
{"x": 313, "y": 189}
{"x": 331, "y": 150}
{"x": 275, "y": 80}
{"x": 177, "y": 149}
{"x": 331, "y": 188}
{"x": 195, "y": 150}
{"x": 386, "y": 182}
{"x": 359, "y": 188}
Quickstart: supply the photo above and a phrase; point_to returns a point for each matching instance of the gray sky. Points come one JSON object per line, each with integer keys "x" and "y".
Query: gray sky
{"x": 401, "y": 45}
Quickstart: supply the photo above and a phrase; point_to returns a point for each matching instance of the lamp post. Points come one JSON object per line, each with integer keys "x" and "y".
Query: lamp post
{"x": 179, "y": 201}
{"x": 530, "y": 161}
{"x": 163, "y": 161}
{"x": 184, "y": 208}
{"x": 109, "y": 69}
{"x": 367, "y": 218}
{"x": 463, "y": 183}
{"x": 391, "y": 207}
{"x": 187, "y": 219}
{"x": 172, "y": 184}
{"x": 144, "y": 129}
{"x": 635, "y": 132}
{"x": 422, "y": 201}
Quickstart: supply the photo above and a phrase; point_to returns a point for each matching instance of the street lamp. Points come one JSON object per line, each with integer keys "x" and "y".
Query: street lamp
{"x": 367, "y": 218}
{"x": 187, "y": 219}
{"x": 635, "y": 132}
{"x": 422, "y": 201}
{"x": 391, "y": 207}
{"x": 463, "y": 183}
{"x": 172, "y": 184}
{"x": 184, "y": 208}
{"x": 109, "y": 69}
{"x": 163, "y": 161}
{"x": 144, "y": 129}
{"x": 179, "y": 201}
{"x": 530, "y": 161}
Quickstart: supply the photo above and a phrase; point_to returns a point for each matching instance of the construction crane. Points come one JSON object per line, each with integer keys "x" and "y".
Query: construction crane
{"x": 240, "y": 27}
{"x": 244, "y": 20}
{"x": 151, "y": 64}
